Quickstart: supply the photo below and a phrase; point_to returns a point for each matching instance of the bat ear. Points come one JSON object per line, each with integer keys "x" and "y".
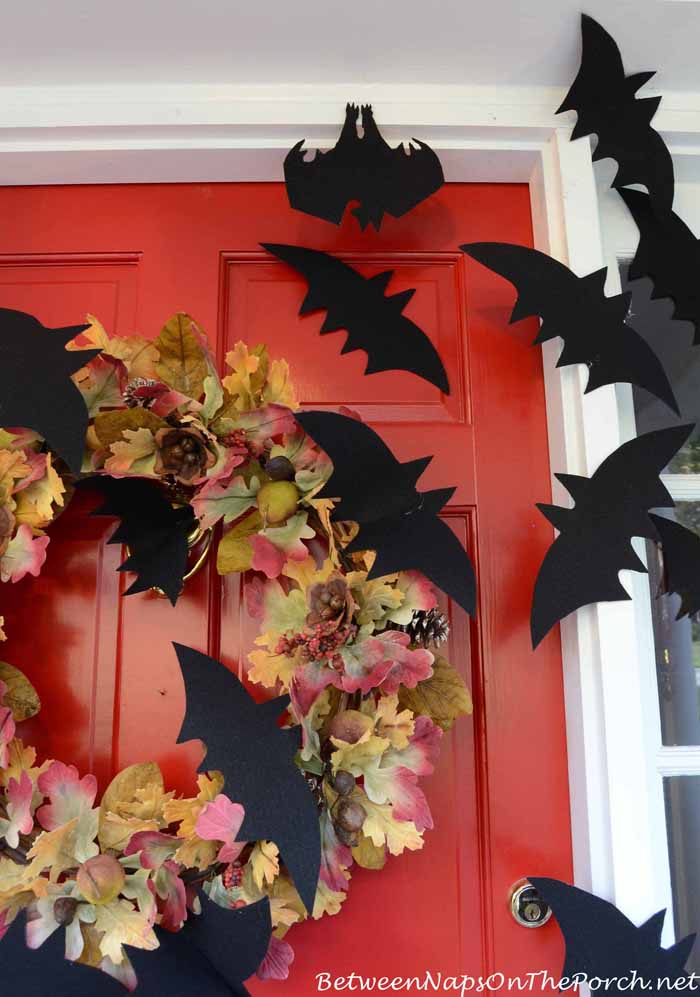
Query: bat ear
{"x": 400, "y": 300}
{"x": 380, "y": 281}
{"x": 576, "y": 485}
{"x": 558, "y": 517}
{"x": 651, "y": 930}
{"x": 637, "y": 80}
{"x": 680, "y": 952}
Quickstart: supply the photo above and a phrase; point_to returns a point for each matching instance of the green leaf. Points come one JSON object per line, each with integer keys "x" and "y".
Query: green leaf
{"x": 183, "y": 362}
{"x": 443, "y": 697}
{"x": 368, "y": 855}
{"x": 110, "y": 426}
{"x": 21, "y": 696}
{"x": 213, "y": 396}
{"x": 235, "y": 551}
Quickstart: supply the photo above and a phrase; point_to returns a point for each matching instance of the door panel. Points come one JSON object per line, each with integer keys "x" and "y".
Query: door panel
{"x": 135, "y": 254}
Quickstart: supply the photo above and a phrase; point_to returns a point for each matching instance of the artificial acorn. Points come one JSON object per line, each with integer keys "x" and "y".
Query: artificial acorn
{"x": 279, "y": 469}
{"x": 348, "y": 838}
{"x": 64, "y": 910}
{"x": 343, "y": 782}
{"x": 350, "y": 816}
{"x": 277, "y": 500}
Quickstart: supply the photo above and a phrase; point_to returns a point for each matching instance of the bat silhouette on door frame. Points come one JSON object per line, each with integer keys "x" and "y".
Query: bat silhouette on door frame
{"x": 364, "y": 169}
{"x": 605, "y": 102}
{"x": 594, "y": 543}
{"x": 592, "y": 326}
{"x": 374, "y": 321}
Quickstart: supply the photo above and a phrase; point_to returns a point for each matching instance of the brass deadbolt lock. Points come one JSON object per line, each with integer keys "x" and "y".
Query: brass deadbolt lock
{"x": 527, "y": 907}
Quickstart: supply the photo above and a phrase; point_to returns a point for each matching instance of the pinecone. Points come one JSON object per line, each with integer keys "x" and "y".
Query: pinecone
{"x": 427, "y": 627}
{"x": 182, "y": 453}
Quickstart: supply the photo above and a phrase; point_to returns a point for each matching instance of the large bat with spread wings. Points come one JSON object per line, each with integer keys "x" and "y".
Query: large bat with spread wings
{"x": 576, "y": 309}
{"x": 604, "y": 99}
{"x": 594, "y": 543}
{"x": 374, "y": 321}
{"x": 399, "y": 523}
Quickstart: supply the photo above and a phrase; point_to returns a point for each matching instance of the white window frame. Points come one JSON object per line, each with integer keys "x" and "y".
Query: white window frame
{"x": 496, "y": 134}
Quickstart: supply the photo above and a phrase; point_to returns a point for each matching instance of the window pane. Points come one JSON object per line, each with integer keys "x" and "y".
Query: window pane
{"x": 682, "y": 795}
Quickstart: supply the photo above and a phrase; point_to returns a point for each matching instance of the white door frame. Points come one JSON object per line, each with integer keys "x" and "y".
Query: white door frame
{"x": 497, "y": 134}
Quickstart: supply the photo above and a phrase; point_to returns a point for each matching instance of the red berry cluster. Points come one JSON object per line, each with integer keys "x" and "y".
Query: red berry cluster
{"x": 318, "y": 643}
{"x": 232, "y": 875}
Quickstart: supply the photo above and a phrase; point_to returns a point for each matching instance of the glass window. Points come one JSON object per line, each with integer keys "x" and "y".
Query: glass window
{"x": 682, "y": 796}
{"x": 677, "y": 642}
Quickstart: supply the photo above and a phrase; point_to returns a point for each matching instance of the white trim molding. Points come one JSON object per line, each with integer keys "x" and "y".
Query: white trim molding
{"x": 500, "y": 134}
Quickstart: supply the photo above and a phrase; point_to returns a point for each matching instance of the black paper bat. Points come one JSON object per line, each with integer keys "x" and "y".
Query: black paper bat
{"x": 681, "y": 563}
{"x": 155, "y": 532}
{"x": 669, "y": 253}
{"x": 602, "y": 942}
{"x": 582, "y": 565}
{"x": 374, "y": 322}
{"x": 212, "y": 954}
{"x": 256, "y": 757}
{"x": 575, "y": 308}
{"x": 363, "y": 169}
{"x": 36, "y": 390}
{"x": 396, "y": 520}
{"x": 604, "y": 100}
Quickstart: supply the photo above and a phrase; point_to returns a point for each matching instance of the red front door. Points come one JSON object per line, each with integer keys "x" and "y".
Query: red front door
{"x": 108, "y": 677}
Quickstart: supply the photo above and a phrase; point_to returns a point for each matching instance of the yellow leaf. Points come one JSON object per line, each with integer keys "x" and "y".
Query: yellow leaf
{"x": 354, "y": 757}
{"x": 21, "y": 696}
{"x": 183, "y": 362}
{"x": 65, "y": 848}
{"x": 124, "y": 785}
{"x": 110, "y": 426}
{"x": 327, "y": 901}
{"x": 22, "y": 760}
{"x": 305, "y": 573}
{"x": 235, "y": 552}
{"x": 194, "y": 851}
{"x": 13, "y": 467}
{"x": 286, "y": 907}
{"x": 375, "y": 598}
{"x": 240, "y": 382}
{"x": 115, "y": 832}
{"x": 16, "y": 880}
{"x": 268, "y": 669}
{"x": 324, "y": 508}
{"x": 35, "y": 502}
{"x": 279, "y": 389}
{"x": 130, "y": 454}
{"x": 368, "y": 855}
{"x": 264, "y": 862}
{"x": 443, "y": 697}
{"x": 381, "y": 827}
{"x": 397, "y": 727}
{"x": 121, "y": 924}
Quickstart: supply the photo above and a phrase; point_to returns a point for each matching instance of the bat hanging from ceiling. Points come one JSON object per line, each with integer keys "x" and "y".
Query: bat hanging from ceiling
{"x": 576, "y": 309}
{"x": 36, "y": 390}
{"x": 212, "y": 954}
{"x": 604, "y": 100}
{"x": 361, "y": 168}
{"x": 396, "y": 521}
{"x": 594, "y": 543}
{"x": 374, "y": 322}
{"x": 256, "y": 756}
{"x": 602, "y": 943}
{"x": 155, "y": 532}
{"x": 669, "y": 254}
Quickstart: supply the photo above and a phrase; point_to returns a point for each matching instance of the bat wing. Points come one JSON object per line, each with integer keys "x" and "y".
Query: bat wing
{"x": 602, "y": 942}
{"x": 422, "y": 542}
{"x": 36, "y": 390}
{"x": 374, "y": 322}
{"x": 681, "y": 553}
{"x": 578, "y": 569}
{"x": 367, "y": 478}
{"x": 576, "y": 309}
{"x": 629, "y": 477}
{"x": 317, "y": 186}
{"x": 604, "y": 100}
{"x": 413, "y": 176}
{"x": 155, "y": 533}
{"x": 256, "y": 757}
{"x": 601, "y": 76}
{"x": 669, "y": 254}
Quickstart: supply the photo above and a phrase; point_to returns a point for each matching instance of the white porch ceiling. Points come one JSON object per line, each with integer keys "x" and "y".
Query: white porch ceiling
{"x": 489, "y": 42}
